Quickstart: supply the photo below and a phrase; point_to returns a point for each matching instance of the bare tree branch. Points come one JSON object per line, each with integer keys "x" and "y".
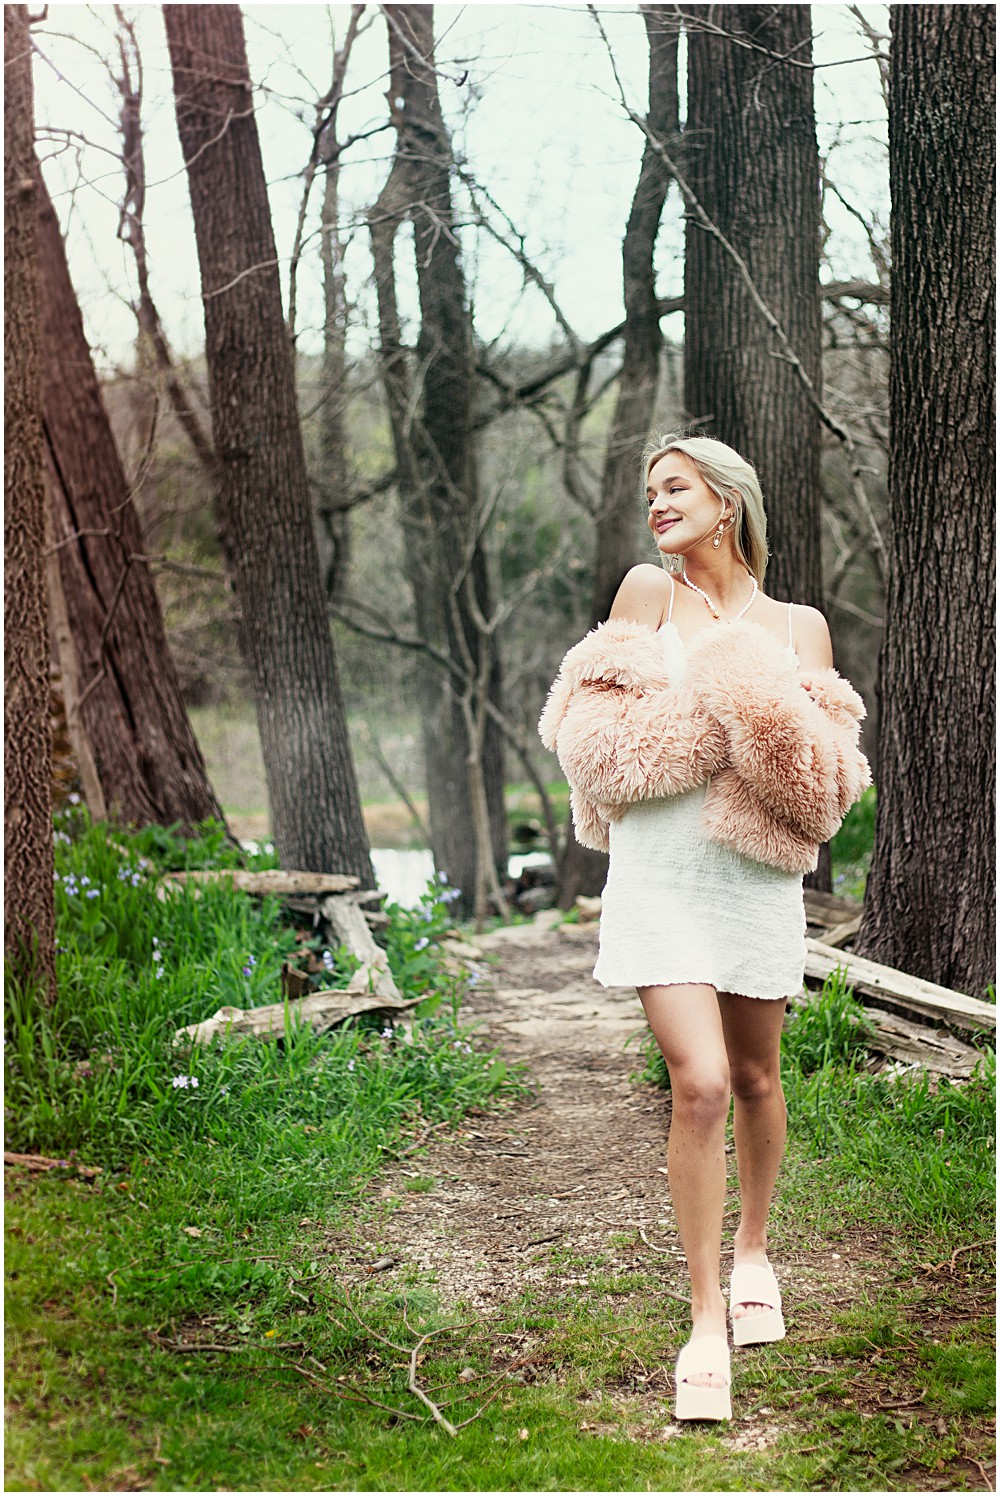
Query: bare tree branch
{"x": 787, "y": 353}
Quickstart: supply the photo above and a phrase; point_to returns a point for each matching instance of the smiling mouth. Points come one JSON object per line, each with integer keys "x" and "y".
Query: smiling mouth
{"x": 662, "y": 528}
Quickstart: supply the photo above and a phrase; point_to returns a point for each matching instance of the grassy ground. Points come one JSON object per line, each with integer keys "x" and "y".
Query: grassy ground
{"x": 181, "y": 1321}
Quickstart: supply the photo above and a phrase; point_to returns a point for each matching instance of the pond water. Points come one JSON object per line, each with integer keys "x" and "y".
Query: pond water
{"x": 404, "y": 874}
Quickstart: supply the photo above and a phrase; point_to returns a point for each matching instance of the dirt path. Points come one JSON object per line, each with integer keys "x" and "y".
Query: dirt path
{"x": 526, "y": 1198}
{"x": 572, "y": 1166}
{"x": 579, "y": 1166}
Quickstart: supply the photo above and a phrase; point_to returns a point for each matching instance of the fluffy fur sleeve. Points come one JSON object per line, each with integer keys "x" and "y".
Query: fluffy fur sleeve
{"x": 797, "y": 751}
{"x": 620, "y": 731}
{"x": 589, "y": 825}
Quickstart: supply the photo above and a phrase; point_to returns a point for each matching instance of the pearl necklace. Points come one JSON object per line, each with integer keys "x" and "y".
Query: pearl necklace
{"x": 711, "y": 606}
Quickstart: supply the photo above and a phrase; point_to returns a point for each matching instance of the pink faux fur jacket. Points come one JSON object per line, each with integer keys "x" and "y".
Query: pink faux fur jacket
{"x": 783, "y": 764}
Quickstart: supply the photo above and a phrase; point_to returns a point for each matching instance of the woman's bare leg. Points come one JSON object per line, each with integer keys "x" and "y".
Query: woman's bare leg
{"x": 687, "y": 1026}
{"x": 752, "y": 1029}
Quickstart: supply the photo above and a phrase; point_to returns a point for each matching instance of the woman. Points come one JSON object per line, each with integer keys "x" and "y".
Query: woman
{"x": 711, "y": 745}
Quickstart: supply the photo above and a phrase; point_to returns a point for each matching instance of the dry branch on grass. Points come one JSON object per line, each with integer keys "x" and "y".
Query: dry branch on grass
{"x": 320, "y": 1010}
{"x": 37, "y": 1164}
{"x": 413, "y": 1355}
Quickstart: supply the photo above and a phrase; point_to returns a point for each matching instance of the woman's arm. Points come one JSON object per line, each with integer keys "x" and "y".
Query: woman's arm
{"x": 812, "y": 644}
{"x": 643, "y": 597}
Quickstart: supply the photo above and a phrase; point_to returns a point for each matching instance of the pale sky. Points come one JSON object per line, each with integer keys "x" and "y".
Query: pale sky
{"x": 537, "y": 118}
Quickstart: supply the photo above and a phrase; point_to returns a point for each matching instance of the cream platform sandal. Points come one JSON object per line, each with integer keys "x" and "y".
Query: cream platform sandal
{"x": 708, "y": 1355}
{"x": 752, "y": 1284}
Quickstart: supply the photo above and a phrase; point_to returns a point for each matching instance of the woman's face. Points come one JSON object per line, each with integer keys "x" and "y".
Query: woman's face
{"x": 682, "y": 508}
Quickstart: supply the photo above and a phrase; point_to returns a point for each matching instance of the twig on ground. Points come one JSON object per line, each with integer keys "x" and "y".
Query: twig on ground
{"x": 418, "y": 1391}
{"x": 184, "y": 1347}
{"x": 414, "y": 1355}
{"x": 670, "y": 1294}
{"x": 972, "y": 1246}
{"x": 941, "y": 1267}
{"x": 353, "y": 1394}
{"x": 479, "y": 1411}
{"x": 986, "y": 1480}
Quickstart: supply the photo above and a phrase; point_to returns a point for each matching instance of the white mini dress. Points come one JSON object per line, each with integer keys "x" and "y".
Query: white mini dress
{"x": 680, "y": 908}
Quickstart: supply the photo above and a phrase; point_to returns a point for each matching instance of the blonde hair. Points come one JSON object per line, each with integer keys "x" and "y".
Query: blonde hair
{"x": 730, "y": 477}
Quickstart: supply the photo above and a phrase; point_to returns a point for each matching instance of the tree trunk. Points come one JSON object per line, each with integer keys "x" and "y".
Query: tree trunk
{"x": 752, "y": 161}
{"x": 333, "y": 507}
{"x": 931, "y": 893}
{"x": 132, "y": 231}
{"x": 618, "y": 529}
{"x": 129, "y": 706}
{"x": 333, "y": 511}
{"x": 617, "y": 532}
{"x": 436, "y": 460}
{"x": 29, "y": 910}
{"x": 263, "y": 509}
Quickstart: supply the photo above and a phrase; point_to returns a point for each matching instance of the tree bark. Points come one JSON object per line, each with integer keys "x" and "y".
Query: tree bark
{"x": 333, "y": 508}
{"x": 263, "y": 510}
{"x": 29, "y": 910}
{"x": 436, "y": 462}
{"x": 129, "y": 707}
{"x": 132, "y": 231}
{"x": 752, "y": 160}
{"x": 931, "y": 892}
{"x": 616, "y": 532}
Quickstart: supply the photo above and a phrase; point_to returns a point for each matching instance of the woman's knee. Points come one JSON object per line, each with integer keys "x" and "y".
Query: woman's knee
{"x": 700, "y": 1096}
{"x": 754, "y": 1082}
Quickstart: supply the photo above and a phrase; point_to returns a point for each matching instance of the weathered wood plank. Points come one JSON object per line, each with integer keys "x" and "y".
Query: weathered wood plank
{"x": 278, "y": 881}
{"x": 933, "y": 1049}
{"x": 351, "y": 928}
{"x": 828, "y": 908}
{"x": 321, "y": 1010}
{"x": 894, "y": 986}
{"x": 838, "y": 934}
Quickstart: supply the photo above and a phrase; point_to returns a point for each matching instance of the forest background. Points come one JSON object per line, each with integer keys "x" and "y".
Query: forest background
{"x": 378, "y": 369}
{"x": 489, "y": 236}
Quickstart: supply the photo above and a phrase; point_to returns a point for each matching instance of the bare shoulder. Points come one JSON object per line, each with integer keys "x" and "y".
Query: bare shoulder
{"x": 811, "y": 636}
{"x": 643, "y": 596}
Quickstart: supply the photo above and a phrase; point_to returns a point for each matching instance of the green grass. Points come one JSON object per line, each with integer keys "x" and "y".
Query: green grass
{"x": 927, "y": 1140}
{"x": 234, "y": 1212}
{"x": 103, "y": 1390}
{"x": 851, "y": 848}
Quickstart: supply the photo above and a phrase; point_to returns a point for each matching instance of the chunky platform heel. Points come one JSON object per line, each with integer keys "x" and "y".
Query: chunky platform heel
{"x": 708, "y": 1355}
{"x": 753, "y": 1284}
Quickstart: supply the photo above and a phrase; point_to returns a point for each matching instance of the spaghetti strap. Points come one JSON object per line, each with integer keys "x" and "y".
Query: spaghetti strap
{"x": 790, "y": 644}
{"x": 670, "y": 609}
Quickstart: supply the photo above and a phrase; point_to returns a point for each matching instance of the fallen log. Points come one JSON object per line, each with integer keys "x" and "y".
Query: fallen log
{"x": 899, "y": 988}
{"x": 37, "y": 1163}
{"x": 933, "y": 1049}
{"x": 828, "y": 908}
{"x": 278, "y": 881}
{"x": 322, "y": 1011}
{"x": 350, "y": 927}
